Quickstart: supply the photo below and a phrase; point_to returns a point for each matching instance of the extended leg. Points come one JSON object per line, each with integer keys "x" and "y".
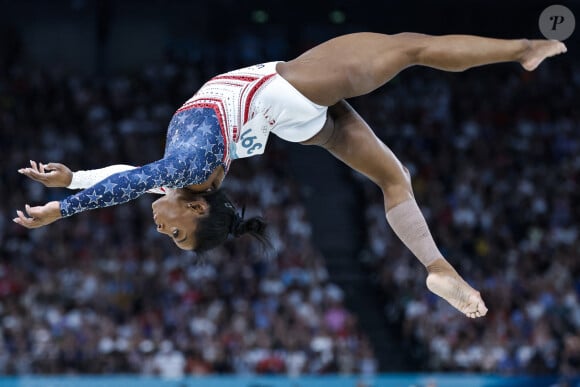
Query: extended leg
{"x": 351, "y": 140}
{"x": 356, "y": 64}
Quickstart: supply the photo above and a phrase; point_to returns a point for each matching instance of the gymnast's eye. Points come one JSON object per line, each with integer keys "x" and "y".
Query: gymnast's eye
{"x": 175, "y": 233}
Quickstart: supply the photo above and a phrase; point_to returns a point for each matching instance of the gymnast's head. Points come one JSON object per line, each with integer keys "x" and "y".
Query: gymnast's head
{"x": 200, "y": 222}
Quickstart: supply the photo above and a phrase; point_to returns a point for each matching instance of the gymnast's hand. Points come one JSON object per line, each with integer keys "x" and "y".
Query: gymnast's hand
{"x": 38, "y": 216}
{"x": 51, "y": 174}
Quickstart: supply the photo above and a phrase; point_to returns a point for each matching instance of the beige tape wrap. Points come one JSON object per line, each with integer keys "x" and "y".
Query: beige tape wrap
{"x": 408, "y": 223}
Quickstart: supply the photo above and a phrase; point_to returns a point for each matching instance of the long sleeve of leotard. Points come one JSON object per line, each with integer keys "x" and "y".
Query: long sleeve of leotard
{"x": 174, "y": 172}
{"x": 87, "y": 178}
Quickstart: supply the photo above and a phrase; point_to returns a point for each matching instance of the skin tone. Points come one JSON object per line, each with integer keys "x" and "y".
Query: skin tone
{"x": 177, "y": 217}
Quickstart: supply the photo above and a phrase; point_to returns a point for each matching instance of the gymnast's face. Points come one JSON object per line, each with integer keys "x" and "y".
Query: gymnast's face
{"x": 177, "y": 217}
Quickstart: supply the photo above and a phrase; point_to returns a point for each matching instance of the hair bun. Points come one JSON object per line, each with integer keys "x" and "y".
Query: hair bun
{"x": 255, "y": 226}
{"x": 224, "y": 221}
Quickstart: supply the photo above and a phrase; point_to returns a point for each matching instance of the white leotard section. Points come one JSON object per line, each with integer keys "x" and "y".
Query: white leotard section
{"x": 254, "y": 101}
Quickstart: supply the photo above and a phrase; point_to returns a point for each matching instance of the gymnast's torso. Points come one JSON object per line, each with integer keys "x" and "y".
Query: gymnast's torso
{"x": 223, "y": 121}
{"x": 243, "y": 117}
{"x": 230, "y": 117}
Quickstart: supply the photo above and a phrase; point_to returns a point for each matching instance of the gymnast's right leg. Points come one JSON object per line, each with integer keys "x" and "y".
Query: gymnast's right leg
{"x": 351, "y": 140}
{"x": 356, "y": 64}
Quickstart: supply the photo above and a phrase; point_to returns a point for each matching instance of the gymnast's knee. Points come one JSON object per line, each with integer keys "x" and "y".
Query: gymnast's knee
{"x": 397, "y": 186}
{"x": 412, "y": 45}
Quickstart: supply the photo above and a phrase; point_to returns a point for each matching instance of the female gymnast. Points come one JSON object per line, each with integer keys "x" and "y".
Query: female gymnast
{"x": 302, "y": 100}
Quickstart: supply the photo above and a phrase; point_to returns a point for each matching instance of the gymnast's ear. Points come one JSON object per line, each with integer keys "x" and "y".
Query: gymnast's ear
{"x": 198, "y": 206}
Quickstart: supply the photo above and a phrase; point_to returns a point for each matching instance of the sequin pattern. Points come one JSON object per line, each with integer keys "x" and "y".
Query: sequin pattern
{"x": 194, "y": 148}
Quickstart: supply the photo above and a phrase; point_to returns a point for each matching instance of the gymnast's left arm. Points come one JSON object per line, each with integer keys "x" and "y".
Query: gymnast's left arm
{"x": 115, "y": 189}
{"x": 59, "y": 175}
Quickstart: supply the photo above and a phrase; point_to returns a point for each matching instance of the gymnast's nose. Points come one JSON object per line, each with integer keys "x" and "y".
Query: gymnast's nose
{"x": 160, "y": 227}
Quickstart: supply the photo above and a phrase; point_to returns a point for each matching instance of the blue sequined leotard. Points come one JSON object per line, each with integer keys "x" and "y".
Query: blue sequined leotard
{"x": 195, "y": 147}
{"x": 230, "y": 117}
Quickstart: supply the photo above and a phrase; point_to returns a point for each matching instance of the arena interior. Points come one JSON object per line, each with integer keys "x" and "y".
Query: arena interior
{"x": 337, "y": 300}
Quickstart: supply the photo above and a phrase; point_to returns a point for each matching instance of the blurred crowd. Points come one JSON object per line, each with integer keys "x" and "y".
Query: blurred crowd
{"x": 104, "y": 292}
{"x": 494, "y": 155}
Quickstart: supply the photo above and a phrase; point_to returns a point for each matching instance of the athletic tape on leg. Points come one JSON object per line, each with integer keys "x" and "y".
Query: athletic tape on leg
{"x": 408, "y": 223}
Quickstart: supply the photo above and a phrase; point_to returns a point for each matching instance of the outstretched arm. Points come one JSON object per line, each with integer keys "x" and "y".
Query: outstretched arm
{"x": 126, "y": 185}
{"x": 174, "y": 172}
{"x": 59, "y": 175}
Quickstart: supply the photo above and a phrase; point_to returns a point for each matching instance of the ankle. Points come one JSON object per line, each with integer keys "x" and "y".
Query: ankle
{"x": 440, "y": 265}
{"x": 524, "y": 47}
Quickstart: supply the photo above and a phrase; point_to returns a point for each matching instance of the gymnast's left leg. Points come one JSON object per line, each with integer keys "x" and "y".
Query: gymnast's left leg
{"x": 351, "y": 140}
{"x": 356, "y": 64}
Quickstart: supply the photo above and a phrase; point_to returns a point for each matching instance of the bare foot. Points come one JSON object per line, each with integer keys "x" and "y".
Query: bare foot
{"x": 539, "y": 50}
{"x": 444, "y": 281}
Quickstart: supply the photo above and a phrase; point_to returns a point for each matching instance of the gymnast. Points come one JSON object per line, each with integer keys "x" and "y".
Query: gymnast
{"x": 302, "y": 100}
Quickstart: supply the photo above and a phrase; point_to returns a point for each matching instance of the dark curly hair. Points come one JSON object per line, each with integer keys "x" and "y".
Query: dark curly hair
{"x": 223, "y": 220}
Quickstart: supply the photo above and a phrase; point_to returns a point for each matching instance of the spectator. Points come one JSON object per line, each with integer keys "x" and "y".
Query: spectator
{"x": 169, "y": 362}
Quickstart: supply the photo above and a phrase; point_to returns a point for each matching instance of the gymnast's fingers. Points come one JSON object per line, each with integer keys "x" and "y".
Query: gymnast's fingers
{"x": 36, "y": 172}
{"x": 55, "y": 167}
{"x": 23, "y": 220}
{"x": 27, "y": 219}
{"x": 38, "y": 216}
{"x": 32, "y": 173}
